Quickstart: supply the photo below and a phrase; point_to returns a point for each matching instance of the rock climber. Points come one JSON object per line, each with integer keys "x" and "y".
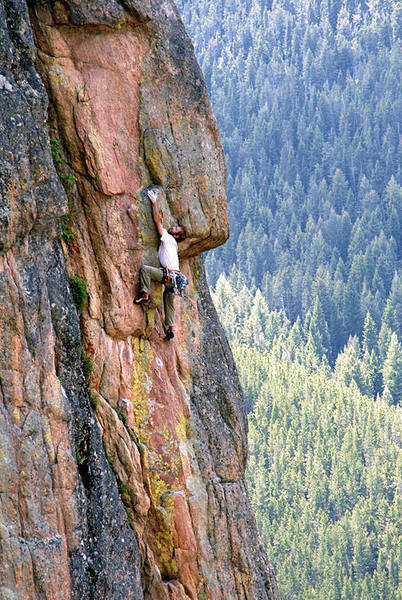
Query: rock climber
{"x": 169, "y": 270}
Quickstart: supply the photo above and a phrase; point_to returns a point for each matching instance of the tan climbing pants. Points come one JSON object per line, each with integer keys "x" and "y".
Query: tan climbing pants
{"x": 148, "y": 274}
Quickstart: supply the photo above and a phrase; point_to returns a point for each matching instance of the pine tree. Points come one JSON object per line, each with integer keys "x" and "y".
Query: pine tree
{"x": 370, "y": 334}
{"x": 317, "y": 330}
{"x": 392, "y": 369}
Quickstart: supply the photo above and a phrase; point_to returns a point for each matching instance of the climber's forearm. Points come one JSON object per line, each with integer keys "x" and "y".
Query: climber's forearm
{"x": 153, "y": 196}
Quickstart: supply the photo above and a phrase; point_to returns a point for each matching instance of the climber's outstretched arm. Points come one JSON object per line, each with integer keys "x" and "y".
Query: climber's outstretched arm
{"x": 153, "y": 196}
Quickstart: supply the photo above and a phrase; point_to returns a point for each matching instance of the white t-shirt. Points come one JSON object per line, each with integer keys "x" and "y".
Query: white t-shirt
{"x": 167, "y": 253}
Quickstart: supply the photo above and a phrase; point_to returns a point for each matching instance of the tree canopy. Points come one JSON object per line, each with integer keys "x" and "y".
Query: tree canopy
{"x": 307, "y": 94}
{"x": 308, "y": 100}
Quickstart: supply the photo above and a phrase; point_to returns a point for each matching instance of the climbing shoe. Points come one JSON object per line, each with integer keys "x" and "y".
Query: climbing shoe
{"x": 142, "y": 300}
{"x": 169, "y": 333}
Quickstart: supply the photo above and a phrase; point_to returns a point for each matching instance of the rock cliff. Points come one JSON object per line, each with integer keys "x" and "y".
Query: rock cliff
{"x": 122, "y": 455}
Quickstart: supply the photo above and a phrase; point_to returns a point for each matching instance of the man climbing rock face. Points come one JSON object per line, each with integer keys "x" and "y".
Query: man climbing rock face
{"x": 169, "y": 261}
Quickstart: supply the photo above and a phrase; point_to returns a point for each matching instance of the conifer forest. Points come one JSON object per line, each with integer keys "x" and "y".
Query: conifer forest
{"x": 307, "y": 95}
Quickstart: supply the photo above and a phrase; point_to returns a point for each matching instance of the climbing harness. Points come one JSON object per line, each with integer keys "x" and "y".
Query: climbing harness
{"x": 175, "y": 282}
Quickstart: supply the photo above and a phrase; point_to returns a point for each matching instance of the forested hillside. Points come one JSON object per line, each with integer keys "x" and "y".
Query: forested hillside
{"x": 308, "y": 99}
{"x": 325, "y": 466}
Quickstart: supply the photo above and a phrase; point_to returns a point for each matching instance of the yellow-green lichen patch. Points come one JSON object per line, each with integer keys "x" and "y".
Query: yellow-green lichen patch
{"x": 56, "y": 72}
{"x": 17, "y": 416}
{"x": 183, "y": 428}
{"x": 142, "y": 375}
{"x": 195, "y": 269}
{"x": 165, "y": 433}
{"x": 162, "y": 501}
{"x": 121, "y": 22}
{"x": 166, "y": 562}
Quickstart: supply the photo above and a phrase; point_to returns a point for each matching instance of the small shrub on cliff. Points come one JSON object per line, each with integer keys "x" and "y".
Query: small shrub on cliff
{"x": 66, "y": 224}
{"x": 123, "y": 488}
{"x": 78, "y": 289}
{"x": 66, "y": 232}
{"x": 120, "y": 415}
{"x": 78, "y": 456}
{"x": 129, "y": 518}
{"x": 87, "y": 365}
{"x": 58, "y": 160}
{"x": 111, "y": 464}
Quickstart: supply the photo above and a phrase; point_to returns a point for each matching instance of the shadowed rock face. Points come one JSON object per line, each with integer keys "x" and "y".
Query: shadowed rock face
{"x": 141, "y": 495}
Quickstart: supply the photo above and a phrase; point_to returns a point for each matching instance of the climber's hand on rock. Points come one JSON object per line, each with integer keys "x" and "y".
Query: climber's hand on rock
{"x": 153, "y": 195}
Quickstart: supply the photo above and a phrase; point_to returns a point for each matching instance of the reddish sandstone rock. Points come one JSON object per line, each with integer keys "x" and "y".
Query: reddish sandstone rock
{"x": 63, "y": 531}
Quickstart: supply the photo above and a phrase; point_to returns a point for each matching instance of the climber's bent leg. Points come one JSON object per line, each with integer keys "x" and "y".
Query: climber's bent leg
{"x": 148, "y": 274}
{"x": 168, "y": 302}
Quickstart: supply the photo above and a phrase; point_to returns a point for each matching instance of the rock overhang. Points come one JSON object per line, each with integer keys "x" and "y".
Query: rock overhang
{"x": 135, "y": 110}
